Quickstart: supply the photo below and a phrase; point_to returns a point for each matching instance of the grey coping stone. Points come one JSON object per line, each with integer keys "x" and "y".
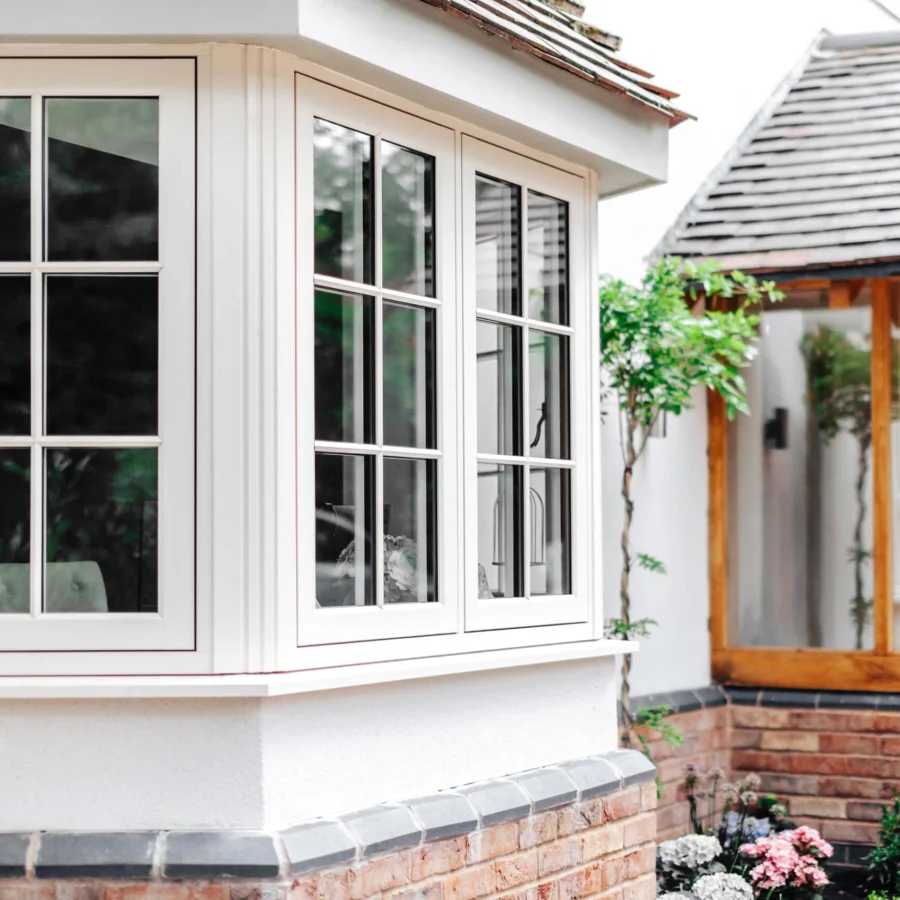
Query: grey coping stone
{"x": 444, "y": 815}
{"x": 220, "y": 854}
{"x": 847, "y": 700}
{"x": 685, "y": 701}
{"x": 317, "y": 845}
{"x": 651, "y": 700}
{"x": 593, "y": 776}
{"x": 743, "y": 696}
{"x": 634, "y": 766}
{"x": 548, "y": 787}
{"x": 96, "y": 855}
{"x": 802, "y": 699}
{"x": 384, "y": 828}
{"x": 712, "y": 696}
{"x": 889, "y": 701}
{"x": 13, "y": 854}
{"x": 498, "y": 801}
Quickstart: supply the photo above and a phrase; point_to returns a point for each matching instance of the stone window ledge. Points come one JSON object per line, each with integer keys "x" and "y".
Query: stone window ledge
{"x": 322, "y": 843}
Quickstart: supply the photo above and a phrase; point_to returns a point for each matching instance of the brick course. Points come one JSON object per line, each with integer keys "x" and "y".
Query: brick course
{"x": 603, "y": 849}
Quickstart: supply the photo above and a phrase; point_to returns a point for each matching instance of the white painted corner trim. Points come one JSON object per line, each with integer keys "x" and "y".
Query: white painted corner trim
{"x": 310, "y": 681}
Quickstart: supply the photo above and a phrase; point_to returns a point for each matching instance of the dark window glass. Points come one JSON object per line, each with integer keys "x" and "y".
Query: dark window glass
{"x": 407, "y": 229}
{"x": 344, "y": 202}
{"x": 500, "y": 527}
{"x": 344, "y": 373}
{"x": 497, "y": 218}
{"x": 548, "y": 395}
{"x": 550, "y": 544}
{"x": 499, "y": 370}
{"x": 15, "y": 178}
{"x": 548, "y": 259}
{"x": 15, "y": 530}
{"x": 410, "y": 525}
{"x": 102, "y": 354}
{"x": 102, "y": 178}
{"x": 409, "y": 376}
{"x": 15, "y": 355}
{"x": 345, "y": 529}
{"x": 102, "y": 525}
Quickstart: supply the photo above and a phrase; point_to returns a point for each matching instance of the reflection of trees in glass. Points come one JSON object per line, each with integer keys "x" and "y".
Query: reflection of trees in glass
{"x": 839, "y": 390}
{"x": 15, "y": 509}
{"x": 102, "y": 506}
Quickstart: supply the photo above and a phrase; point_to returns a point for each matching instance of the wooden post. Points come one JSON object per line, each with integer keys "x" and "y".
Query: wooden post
{"x": 718, "y": 521}
{"x": 882, "y": 505}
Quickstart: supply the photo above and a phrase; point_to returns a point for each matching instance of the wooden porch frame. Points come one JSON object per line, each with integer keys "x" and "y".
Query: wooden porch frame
{"x": 875, "y": 670}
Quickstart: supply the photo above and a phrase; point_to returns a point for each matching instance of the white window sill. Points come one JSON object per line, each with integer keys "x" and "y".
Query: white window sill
{"x": 282, "y": 683}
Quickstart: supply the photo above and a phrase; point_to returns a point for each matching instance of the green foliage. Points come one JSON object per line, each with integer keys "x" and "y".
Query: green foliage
{"x": 656, "y": 351}
{"x": 884, "y": 860}
{"x": 650, "y": 563}
{"x": 652, "y": 721}
{"x": 619, "y": 630}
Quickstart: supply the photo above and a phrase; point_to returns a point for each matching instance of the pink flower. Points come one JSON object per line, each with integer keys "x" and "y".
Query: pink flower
{"x": 808, "y": 840}
{"x": 788, "y": 859}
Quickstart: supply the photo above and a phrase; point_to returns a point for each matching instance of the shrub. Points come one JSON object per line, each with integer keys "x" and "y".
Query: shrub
{"x": 884, "y": 860}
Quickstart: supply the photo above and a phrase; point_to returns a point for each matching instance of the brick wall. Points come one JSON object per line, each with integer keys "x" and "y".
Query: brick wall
{"x": 583, "y": 830}
{"x": 833, "y": 757}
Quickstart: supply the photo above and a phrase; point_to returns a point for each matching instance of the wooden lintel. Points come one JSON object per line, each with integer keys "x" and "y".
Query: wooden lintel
{"x": 840, "y": 295}
{"x": 811, "y": 284}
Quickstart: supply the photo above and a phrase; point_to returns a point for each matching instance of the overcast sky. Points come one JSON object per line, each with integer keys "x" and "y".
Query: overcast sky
{"x": 725, "y": 58}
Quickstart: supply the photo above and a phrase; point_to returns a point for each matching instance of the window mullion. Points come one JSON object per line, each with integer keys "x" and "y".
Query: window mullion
{"x": 378, "y": 554}
{"x": 525, "y": 399}
{"x": 36, "y": 569}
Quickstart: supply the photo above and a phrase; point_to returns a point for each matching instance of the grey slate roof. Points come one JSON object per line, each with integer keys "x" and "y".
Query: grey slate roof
{"x": 553, "y": 31}
{"x": 814, "y": 181}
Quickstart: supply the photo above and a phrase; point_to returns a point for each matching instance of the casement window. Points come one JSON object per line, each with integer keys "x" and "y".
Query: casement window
{"x": 446, "y": 392}
{"x": 803, "y": 502}
{"x": 97, "y": 368}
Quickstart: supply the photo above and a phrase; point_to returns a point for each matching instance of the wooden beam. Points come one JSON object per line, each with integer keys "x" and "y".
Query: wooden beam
{"x": 881, "y": 464}
{"x": 839, "y": 295}
{"x": 718, "y": 521}
{"x": 810, "y": 284}
{"x": 856, "y": 285}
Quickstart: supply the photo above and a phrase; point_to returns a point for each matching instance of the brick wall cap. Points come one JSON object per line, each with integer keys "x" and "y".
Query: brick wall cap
{"x": 13, "y": 854}
{"x": 93, "y": 855}
{"x": 498, "y": 801}
{"x": 318, "y": 845}
{"x": 682, "y": 701}
{"x": 383, "y": 828}
{"x": 593, "y": 776}
{"x": 220, "y": 854}
{"x": 633, "y": 766}
{"x": 444, "y": 815}
{"x": 547, "y": 787}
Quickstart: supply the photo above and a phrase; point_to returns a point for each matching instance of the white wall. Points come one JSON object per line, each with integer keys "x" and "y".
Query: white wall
{"x": 725, "y": 60}
{"x": 268, "y": 763}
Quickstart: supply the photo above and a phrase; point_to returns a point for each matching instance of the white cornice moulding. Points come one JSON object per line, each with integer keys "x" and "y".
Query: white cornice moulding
{"x": 284, "y": 683}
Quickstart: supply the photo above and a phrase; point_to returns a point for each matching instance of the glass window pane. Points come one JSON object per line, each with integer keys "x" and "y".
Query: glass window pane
{"x": 345, "y": 368}
{"x": 410, "y": 531}
{"x": 497, "y": 275}
{"x": 102, "y": 178}
{"x": 548, "y": 275}
{"x": 344, "y": 202}
{"x": 548, "y": 395}
{"x": 15, "y": 178}
{"x": 407, "y": 229}
{"x": 15, "y": 355}
{"x": 102, "y": 525}
{"x": 409, "y": 376}
{"x": 800, "y": 485}
{"x": 345, "y": 528}
{"x": 549, "y": 544}
{"x": 500, "y": 529}
{"x": 15, "y": 530}
{"x": 102, "y": 354}
{"x": 499, "y": 349}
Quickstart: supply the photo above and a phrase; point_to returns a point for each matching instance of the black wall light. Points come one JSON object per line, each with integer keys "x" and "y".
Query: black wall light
{"x": 776, "y": 430}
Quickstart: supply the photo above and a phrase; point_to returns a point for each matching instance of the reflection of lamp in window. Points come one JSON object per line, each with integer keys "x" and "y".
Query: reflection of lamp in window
{"x": 537, "y": 555}
{"x": 775, "y": 434}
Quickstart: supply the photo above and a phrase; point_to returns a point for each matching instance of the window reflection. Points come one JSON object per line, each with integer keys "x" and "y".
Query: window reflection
{"x": 15, "y": 530}
{"x": 102, "y": 178}
{"x": 548, "y": 254}
{"x": 15, "y": 355}
{"x": 102, "y": 530}
{"x": 497, "y": 224}
{"x": 15, "y": 178}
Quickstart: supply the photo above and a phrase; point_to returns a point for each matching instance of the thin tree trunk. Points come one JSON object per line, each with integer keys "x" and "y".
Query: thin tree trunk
{"x": 625, "y": 588}
{"x": 859, "y": 609}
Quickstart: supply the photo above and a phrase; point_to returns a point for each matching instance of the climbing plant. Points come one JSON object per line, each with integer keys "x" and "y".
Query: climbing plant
{"x": 656, "y": 349}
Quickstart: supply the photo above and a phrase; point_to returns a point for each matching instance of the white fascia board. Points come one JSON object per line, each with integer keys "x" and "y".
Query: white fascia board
{"x": 281, "y": 684}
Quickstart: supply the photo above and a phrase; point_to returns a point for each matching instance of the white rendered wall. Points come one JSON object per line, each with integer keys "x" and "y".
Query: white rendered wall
{"x": 267, "y": 763}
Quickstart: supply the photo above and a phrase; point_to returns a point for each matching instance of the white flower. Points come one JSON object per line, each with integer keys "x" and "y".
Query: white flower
{"x": 690, "y": 850}
{"x": 674, "y": 895}
{"x": 722, "y": 886}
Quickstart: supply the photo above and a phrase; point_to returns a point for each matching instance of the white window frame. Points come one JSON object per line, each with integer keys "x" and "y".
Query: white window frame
{"x": 479, "y": 157}
{"x": 315, "y": 99}
{"x": 173, "y": 82}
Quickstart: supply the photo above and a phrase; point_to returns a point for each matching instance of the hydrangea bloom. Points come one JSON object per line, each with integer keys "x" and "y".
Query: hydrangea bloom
{"x": 788, "y": 859}
{"x": 753, "y": 828}
{"x": 723, "y": 886}
{"x": 690, "y": 851}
